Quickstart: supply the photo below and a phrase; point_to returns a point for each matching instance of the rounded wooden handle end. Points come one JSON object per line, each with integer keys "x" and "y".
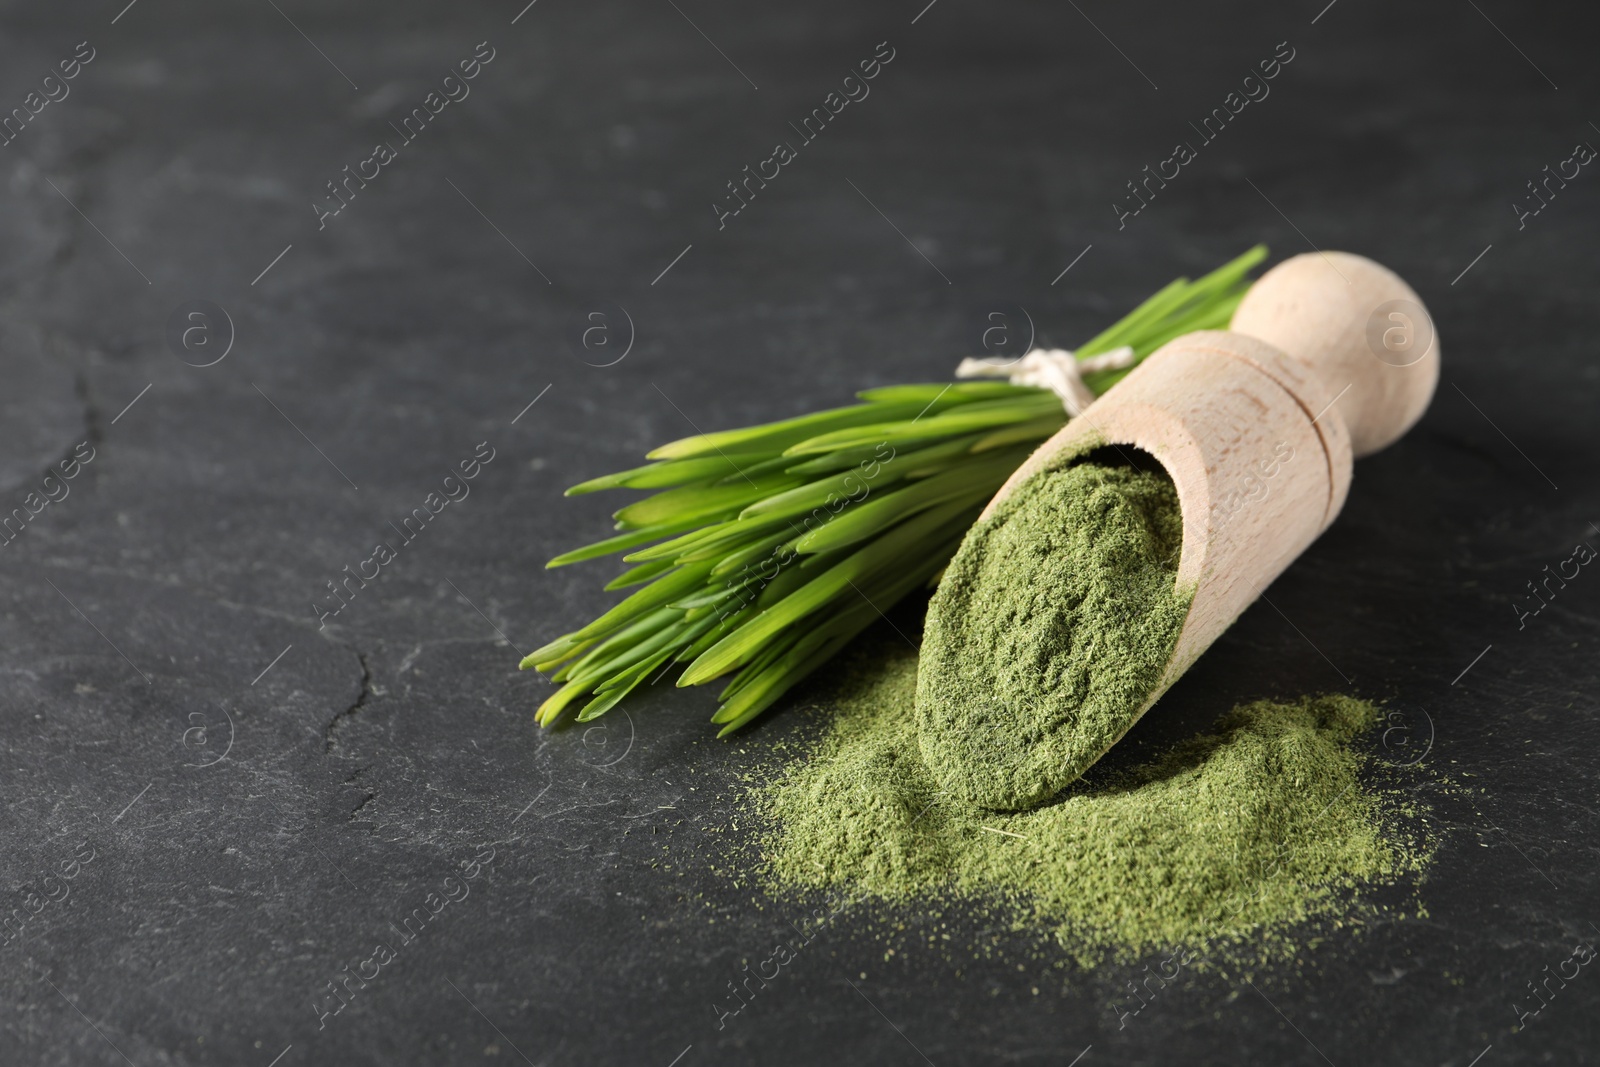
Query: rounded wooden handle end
{"x": 1360, "y": 329}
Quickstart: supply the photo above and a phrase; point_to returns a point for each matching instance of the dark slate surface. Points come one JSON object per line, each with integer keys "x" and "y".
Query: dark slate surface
{"x": 252, "y": 800}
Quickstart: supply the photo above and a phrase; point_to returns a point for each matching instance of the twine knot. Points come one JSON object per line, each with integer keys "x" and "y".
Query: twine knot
{"x": 1055, "y": 369}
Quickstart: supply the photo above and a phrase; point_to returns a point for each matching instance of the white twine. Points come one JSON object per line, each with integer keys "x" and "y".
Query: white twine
{"x": 1055, "y": 369}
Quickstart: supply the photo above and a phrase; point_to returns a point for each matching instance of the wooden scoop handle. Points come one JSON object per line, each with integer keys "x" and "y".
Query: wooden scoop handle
{"x": 1360, "y": 329}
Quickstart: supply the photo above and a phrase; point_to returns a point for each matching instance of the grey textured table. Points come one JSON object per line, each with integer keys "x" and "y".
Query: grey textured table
{"x": 220, "y": 795}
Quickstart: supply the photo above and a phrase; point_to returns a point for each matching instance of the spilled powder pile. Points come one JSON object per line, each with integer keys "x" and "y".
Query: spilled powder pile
{"x": 1049, "y": 630}
{"x": 1260, "y": 823}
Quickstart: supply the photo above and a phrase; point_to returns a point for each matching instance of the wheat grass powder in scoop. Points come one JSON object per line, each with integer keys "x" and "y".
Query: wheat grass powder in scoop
{"x": 1050, "y": 629}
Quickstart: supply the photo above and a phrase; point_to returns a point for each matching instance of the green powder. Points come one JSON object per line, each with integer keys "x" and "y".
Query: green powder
{"x": 1049, "y": 630}
{"x": 1260, "y": 823}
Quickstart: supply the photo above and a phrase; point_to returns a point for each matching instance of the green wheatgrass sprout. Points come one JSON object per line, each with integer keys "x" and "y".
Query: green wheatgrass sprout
{"x": 770, "y": 547}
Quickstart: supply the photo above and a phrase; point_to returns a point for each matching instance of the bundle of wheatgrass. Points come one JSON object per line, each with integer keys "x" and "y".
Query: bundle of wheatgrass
{"x": 779, "y": 543}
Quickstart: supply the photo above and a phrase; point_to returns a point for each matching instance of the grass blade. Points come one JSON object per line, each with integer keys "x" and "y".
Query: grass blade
{"x": 738, "y": 647}
{"x": 930, "y": 391}
{"x": 700, "y": 502}
{"x": 622, "y": 542}
{"x": 662, "y": 591}
{"x": 964, "y": 419}
{"x": 660, "y": 475}
{"x": 635, "y": 575}
{"x": 976, "y": 481}
{"x": 775, "y": 436}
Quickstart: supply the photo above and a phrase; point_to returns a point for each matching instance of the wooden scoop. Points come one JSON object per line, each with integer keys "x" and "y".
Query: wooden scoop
{"x": 1330, "y": 356}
